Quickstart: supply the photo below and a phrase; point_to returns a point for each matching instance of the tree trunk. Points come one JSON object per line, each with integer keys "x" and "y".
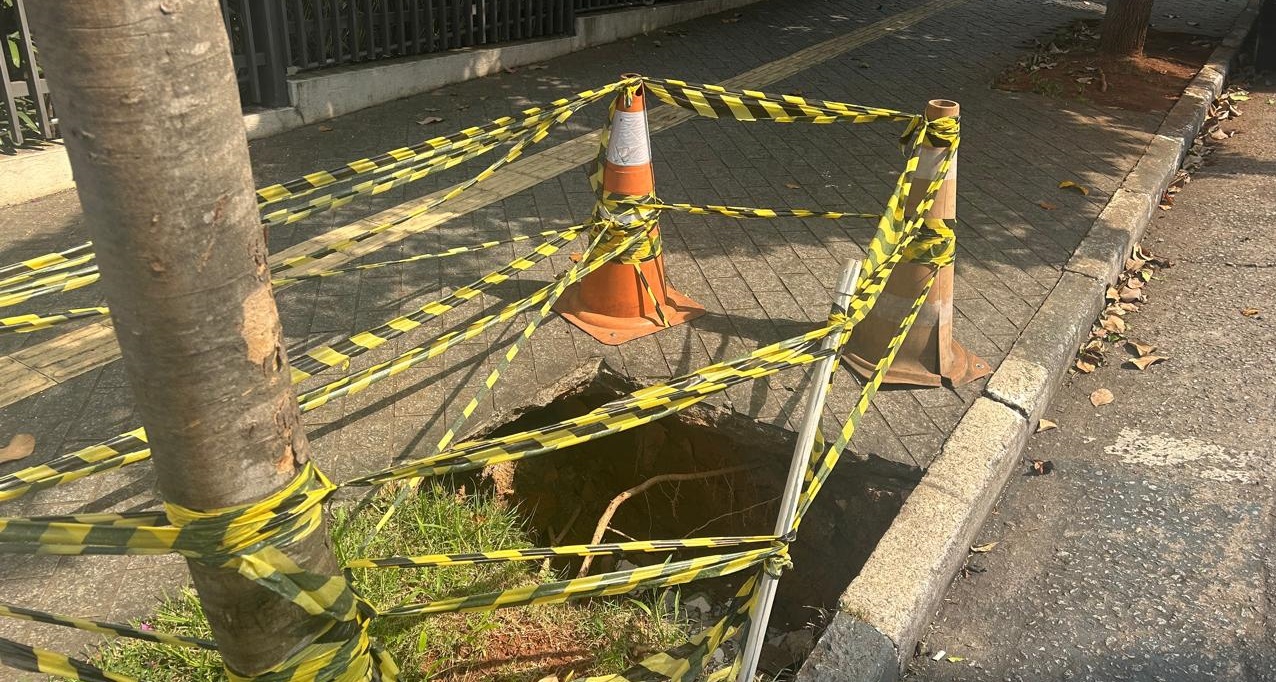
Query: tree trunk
{"x": 150, "y": 110}
{"x": 1125, "y": 27}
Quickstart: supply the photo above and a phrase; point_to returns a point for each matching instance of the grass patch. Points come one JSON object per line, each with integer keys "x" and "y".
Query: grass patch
{"x": 597, "y": 636}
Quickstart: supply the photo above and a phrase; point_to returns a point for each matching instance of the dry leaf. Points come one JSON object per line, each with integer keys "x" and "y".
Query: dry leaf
{"x": 429, "y": 120}
{"x": 956, "y": 659}
{"x": 1146, "y": 361}
{"x": 1140, "y": 347}
{"x": 325, "y": 129}
{"x": 576, "y": 256}
{"x": 1047, "y": 205}
{"x": 1068, "y": 184}
{"x": 1046, "y": 425}
{"x": 985, "y": 548}
{"x": 792, "y": 185}
{"x": 21, "y": 445}
{"x": 1250, "y": 312}
{"x": 1042, "y": 467}
{"x": 1112, "y": 294}
{"x": 1085, "y": 367}
{"x": 1114, "y": 324}
{"x": 1101, "y": 397}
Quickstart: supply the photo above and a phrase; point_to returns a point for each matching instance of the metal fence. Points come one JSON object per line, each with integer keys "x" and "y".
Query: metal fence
{"x": 24, "y": 95}
{"x": 273, "y": 39}
{"x": 596, "y": 5}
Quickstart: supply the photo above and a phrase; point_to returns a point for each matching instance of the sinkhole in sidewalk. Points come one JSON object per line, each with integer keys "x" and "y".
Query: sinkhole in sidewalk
{"x": 563, "y": 496}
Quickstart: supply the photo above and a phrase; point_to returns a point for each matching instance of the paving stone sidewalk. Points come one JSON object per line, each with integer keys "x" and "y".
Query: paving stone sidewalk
{"x": 760, "y": 280}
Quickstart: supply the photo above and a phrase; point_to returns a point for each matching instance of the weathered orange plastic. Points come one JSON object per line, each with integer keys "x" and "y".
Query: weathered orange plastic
{"x": 611, "y": 304}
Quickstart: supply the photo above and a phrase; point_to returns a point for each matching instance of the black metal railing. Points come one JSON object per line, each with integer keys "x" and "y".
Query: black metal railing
{"x": 334, "y": 32}
{"x": 597, "y": 5}
{"x": 24, "y": 95}
{"x": 273, "y": 39}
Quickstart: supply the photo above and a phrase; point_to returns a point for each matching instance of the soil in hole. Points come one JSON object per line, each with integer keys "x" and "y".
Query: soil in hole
{"x": 563, "y": 494}
{"x": 1067, "y": 64}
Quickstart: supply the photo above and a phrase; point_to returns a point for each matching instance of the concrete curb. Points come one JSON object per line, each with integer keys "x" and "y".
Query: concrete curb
{"x": 886, "y": 608}
{"x": 328, "y": 94}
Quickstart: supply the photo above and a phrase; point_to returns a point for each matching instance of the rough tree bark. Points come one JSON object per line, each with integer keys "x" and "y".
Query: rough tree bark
{"x": 1125, "y": 27}
{"x": 150, "y": 111}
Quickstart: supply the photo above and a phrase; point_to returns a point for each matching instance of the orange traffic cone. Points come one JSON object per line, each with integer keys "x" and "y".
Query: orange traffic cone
{"x": 929, "y": 356}
{"x": 628, "y": 297}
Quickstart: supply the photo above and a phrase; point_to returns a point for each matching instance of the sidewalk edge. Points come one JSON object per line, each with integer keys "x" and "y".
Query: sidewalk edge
{"x": 886, "y": 608}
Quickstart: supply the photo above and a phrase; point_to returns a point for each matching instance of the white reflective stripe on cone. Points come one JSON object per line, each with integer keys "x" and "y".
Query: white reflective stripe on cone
{"x": 629, "y": 144}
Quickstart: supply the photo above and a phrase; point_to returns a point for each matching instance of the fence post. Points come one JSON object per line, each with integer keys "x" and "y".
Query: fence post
{"x": 270, "y": 33}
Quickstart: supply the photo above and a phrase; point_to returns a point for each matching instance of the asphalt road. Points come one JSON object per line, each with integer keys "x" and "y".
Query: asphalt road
{"x": 1147, "y": 553}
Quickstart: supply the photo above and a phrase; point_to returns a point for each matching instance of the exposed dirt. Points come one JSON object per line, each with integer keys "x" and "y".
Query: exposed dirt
{"x": 1066, "y": 64}
{"x": 563, "y": 494}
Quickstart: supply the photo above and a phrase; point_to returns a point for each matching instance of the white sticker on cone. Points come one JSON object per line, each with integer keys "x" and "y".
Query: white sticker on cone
{"x": 629, "y": 145}
{"x": 928, "y": 161}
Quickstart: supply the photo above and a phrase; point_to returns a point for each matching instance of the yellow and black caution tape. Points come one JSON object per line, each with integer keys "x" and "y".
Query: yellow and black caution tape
{"x": 31, "y": 322}
{"x": 601, "y": 585}
{"x": 746, "y": 212}
{"x": 46, "y": 261}
{"x": 358, "y": 381}
{"x": 45, "y": 273}
{"x": 429, "y": 156}
{"x": 714, "y": 101}
{"x": 250, "y": 538}
{"x": 31, "y": 659}
{"x": 446, "y": 253}
{"x": 103, "y": 628}
{"x": 316, "y": 360}
{"x": 501, "y": 129}
{"x": 540, "y": 553}
{"x": 71, "y": 282}
{"x": 359, "y": 237}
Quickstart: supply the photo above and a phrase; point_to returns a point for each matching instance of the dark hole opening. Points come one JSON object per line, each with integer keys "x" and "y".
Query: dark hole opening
{"x": 563, "y": 494}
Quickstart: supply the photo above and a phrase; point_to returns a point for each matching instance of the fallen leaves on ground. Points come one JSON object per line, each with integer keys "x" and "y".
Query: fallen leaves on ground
{"x": 1068, "y": 184}
{"x": 956, "y": 659}
{"x": 792, "y": 185}
{"x": 1113, "y": 324}
{"x": 1250, "y": 312}
{"x": 1047, "y": 205}
{"x": 1122, "y": 298}
{"x": 1041, "y": 467}
{"x": 1101, "y": 397}
{"x": 1046, "y": 425}
{"x": 21, "y": 445}
{"x": 984, "y": 548}
{"x": 1145, "y": 361}
{"x": 325, "y": 129}
{"x": 1140, "y": 348}
{"x": 429, "y": 120}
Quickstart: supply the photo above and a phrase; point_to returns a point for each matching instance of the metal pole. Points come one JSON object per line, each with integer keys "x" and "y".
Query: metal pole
{"x": 815, "y": 395}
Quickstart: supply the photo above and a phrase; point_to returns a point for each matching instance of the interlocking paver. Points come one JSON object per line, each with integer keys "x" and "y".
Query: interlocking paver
{"x": 759, "y": 280}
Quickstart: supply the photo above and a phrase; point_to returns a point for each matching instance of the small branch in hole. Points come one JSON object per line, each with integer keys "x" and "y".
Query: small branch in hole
{"x": 615, "y": 503}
